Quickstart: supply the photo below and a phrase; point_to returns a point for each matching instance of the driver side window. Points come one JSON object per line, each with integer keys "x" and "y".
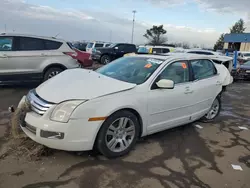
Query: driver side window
{"x": 177, "y": 72}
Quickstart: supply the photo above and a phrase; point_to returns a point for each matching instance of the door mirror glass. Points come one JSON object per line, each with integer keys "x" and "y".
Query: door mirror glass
{"x": 165, "y": 84}
{"x": 116, "y": 48}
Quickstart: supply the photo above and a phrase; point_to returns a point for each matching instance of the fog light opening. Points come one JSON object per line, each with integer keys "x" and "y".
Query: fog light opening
{"x": 52, "y": 135}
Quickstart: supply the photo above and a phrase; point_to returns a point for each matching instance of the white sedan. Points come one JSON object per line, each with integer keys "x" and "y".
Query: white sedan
{"x": 132, "y": 97}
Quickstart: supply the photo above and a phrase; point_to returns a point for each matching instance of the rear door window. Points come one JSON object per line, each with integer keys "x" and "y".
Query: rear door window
{"x": 52, "y": 45}
{"x": 203, "y": 68}
{"x": 30, "y": 44}
{"x": 165, "y": 50}
{"x": 6, "y": 43}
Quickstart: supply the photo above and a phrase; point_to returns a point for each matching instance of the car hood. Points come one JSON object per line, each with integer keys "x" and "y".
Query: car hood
{"x": 80, "y": 84}
{"x": 246, "y": 67}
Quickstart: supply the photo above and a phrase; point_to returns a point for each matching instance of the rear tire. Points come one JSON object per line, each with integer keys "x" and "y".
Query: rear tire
{"x": 213, "y": 112}
{"x": 105, "y": 59}
{"x": 118, "y": 134}
{"x": 51, "y": 72}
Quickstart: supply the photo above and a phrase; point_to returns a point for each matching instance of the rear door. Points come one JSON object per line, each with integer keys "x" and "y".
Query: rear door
{"x": 206, "y": 85}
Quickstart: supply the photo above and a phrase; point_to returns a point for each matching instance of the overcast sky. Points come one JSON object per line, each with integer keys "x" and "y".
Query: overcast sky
{"x": 194, "y": 21}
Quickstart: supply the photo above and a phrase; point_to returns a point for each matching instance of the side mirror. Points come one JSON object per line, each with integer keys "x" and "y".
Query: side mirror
{"x": 116, "y": 48}
{"x": 165, "y": 84}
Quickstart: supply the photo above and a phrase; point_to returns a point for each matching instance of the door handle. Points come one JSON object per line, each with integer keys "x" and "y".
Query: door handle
{"x": 188, "y": 91}
{"x": 4, "y": 56}
{"x": 218, "y": 83}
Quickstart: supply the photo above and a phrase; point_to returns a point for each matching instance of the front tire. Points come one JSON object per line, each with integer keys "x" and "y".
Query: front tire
{"x": 118, "y": 134}
{"x": 105, "y": 59}
{"x": 213, "y": 112}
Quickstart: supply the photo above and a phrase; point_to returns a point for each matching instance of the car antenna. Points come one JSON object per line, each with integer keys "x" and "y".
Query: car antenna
{"x": 56, "y": 35}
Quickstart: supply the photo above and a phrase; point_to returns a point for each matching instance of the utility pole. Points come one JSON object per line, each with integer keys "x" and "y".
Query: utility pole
{"x": 5, "y": 28}
{"x": 110, "y": 36}
{"x": 132, "y": 39}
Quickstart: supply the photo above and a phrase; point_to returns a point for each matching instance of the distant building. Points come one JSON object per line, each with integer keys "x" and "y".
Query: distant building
{"x": 237, "y": 41}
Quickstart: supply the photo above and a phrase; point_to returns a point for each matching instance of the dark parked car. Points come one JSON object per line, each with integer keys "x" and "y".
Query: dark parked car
{"x": 114, "y": 51}
{"x": 242, "y": 71}
{"x": 81, "y": 46}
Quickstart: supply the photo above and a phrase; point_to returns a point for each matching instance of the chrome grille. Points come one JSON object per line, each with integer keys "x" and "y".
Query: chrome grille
{"x": 37, "y": 104}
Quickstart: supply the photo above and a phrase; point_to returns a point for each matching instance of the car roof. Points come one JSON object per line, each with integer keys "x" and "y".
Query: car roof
{"x": 28, "y": 35}
{"x": 184, "y": 56}
{"x": 200, "y": 50}
{"x": 244, "y": 52}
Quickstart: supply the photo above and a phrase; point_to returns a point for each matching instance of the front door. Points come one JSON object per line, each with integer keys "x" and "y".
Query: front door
{"x": 6, "y": 51}
{"x": 171, "y": 107}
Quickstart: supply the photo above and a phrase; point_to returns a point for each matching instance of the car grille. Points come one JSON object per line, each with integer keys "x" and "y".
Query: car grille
{"x": 31, "y": 128}
{"x": 37, "y": 104}
{"x": 242, "y": 70}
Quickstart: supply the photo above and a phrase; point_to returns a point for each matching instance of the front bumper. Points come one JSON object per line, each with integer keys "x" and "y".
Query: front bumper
{"x": 241, "y": 75}
{"x": 77, "y": 134}
{"x": 96, "y": 57}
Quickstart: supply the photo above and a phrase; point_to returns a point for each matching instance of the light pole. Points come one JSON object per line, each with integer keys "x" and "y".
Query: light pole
{"x": 132, "y": 39}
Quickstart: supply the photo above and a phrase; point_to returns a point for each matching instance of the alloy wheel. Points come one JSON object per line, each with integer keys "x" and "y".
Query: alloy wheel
{"x": 52, "y": 74}
{"x": 214, "y": 110}
{"x": 120, "y": 134}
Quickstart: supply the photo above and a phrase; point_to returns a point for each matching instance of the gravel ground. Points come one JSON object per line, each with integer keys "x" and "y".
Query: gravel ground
{"x": 183, "y": 157}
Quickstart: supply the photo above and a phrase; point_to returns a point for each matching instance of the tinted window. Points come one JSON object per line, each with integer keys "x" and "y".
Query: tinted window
{"x": 192, "y": 52}
{"x": 131, "y": 69}
{"x": 200, "y": 52}
{"x": 107, "y": 45}
{"x": 131, "y": 48}
{"x": 203, "y": 69}
{"x": 165, "y": 50}
{"x": 70, "y": 45}
{"x": 52, "y": 45}
{"x": 178, "y": 72}
{"x": 30, "y": 44}
{"x": 156, "y": 50}
{"x": 121, "y": 46}
{"x": 247, "y": 54}
{"x": 97, "y": 45}
{"x": 205, "y": 53}
{"x": 6, "y": 43}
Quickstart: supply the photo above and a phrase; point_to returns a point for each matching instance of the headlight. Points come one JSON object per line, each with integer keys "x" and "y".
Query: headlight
{"x": 63, "y": 111}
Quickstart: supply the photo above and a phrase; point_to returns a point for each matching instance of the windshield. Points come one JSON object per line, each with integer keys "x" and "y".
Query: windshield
{"x": 89, "y": 45}
{"x": 246, "y": 54}
{"x": 134, "y": 70}
{"x": 112, "y": 45}
{"x": 247, "y": 63}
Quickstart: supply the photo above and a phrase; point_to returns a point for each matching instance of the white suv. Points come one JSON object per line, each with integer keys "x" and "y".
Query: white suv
{"x": 92, "y": 45}
{"x": 26, "y": 58}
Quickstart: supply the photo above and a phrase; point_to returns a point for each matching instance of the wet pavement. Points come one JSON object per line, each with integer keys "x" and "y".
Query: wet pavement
{"x": 183, "y": 157}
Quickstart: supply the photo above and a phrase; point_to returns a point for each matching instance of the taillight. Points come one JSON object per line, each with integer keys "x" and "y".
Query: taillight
{"x": 72, "y": 54}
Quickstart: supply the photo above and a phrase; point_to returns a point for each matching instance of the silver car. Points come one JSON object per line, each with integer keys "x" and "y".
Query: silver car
{"x": 32, "y": 58}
